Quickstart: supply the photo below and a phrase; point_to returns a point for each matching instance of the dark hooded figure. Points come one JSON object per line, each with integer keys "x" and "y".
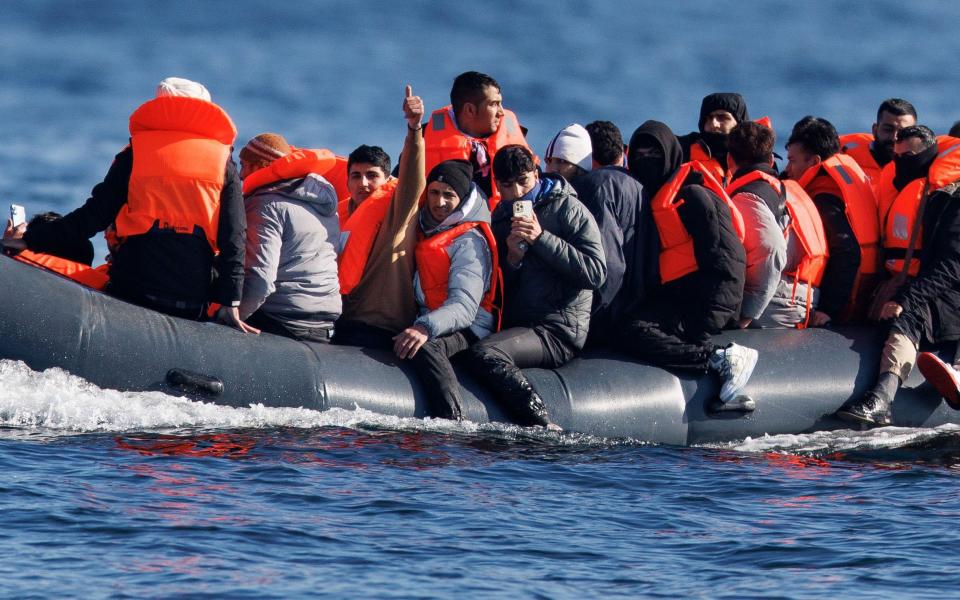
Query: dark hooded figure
{"x": 719, "y": 114}
{"x": 673, "y": 327}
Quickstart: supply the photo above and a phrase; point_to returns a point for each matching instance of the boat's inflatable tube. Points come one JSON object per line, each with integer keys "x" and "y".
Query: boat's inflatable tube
{"x": 801, "y": 379}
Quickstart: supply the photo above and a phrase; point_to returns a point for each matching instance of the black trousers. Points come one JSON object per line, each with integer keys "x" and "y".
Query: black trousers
{"x": 355, "y": 333}
{"x": 497, "y": 361}
{"x": 321, "y": 332}
{"x": 432, "y": 363}
{"x": 661, "y": 336}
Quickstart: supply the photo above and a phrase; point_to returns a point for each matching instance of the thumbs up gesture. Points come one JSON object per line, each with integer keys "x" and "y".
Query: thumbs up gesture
{"x": 412, "y": 109}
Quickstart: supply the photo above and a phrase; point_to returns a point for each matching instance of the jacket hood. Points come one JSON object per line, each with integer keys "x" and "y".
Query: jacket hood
{"x": 312, "y": 189}
{"x": 730, "y": 102}
{"x": 474, "y": 208}
{"x": 658, "y": 135}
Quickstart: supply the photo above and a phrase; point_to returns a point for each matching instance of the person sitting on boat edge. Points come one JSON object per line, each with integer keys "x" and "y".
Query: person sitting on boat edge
{"x": 455, "y": 284}
{"x": 551, "y": 257}
{"x": 615, "y": 199}
{"x": 701, "y": 270}
{"x": 569, "y": 154}
{"x": 848, "y": 210}
{"x": 473, "y": 127}
{"x": 377, "y": 261}
{"x": 175, "y": 199}
{"x": 922, "y": 212}
{"x": 290, "y": 284}
{"x": 760, "y": 197}
{"x": 873, "y": 151}
{"x": 719, "y": 114}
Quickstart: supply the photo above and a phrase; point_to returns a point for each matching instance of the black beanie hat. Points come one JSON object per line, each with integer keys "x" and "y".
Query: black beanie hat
{"x": 458, "y": 174}
{"x": 730, "y": 102}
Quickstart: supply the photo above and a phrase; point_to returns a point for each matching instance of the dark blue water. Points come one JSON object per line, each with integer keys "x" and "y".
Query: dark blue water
{"x": 116, "y": 494}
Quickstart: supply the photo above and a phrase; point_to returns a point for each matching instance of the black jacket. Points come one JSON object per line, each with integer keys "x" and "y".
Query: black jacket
{"x": 630, "y": 246}
{"x": 710, "y": 297}
{"x": 160, "y": 263}
{"x": 937, "y": 285}
{"x": 840, "y": 274}
{"x": 553, "y": 287}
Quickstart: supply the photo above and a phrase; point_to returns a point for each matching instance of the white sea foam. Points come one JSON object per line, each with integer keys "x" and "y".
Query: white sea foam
{"x": 844, "y": 440}
{"x": 57, "y": 401}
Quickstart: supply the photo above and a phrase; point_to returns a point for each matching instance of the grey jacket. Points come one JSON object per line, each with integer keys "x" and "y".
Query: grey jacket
{"x": 788, "y": 306}
{"x": 554, "y": 285}
{"x": 471, "y": 266}
{"x": 766, "y": 250}
{"x": 291, "y": 261}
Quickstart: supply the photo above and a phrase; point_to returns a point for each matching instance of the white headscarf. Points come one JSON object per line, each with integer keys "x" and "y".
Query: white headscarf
{"x": 177, "y": 86}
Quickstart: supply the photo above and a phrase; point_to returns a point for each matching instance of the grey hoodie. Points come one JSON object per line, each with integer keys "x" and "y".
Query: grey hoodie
{"x": 291, "y": 261}
{"x": 471, "y": 265}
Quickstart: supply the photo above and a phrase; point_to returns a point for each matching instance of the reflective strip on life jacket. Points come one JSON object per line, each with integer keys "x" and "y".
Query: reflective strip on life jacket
{"x": 857, "y": 146}
{"x": 360, "y": 232}
{"x": 433, "y": 266}
{"x": 180, "y": 151}
{"x": 297, "y": 165}
{"x": 79, "y": 272}
{"x": 677, "y": 256}
{"x": 444, "y": 141}
{"x": 900, "y": 208}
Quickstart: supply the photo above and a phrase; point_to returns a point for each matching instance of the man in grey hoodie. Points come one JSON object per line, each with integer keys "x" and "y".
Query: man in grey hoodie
{"x": 290, "y": 277}
{"x": 454, "y": 284}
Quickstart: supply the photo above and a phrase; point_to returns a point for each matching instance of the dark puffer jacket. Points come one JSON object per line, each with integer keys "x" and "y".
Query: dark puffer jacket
{"x": 553, "y": 287}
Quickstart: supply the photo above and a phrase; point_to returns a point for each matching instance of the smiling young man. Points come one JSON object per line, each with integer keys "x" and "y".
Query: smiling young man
{"x": 552, "y": 261}
{"x": 455, "y": 283}
{"x": 473, "y": 127}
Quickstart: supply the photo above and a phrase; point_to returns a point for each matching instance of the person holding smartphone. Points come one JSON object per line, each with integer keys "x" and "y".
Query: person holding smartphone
{"x": 552, "y": 259}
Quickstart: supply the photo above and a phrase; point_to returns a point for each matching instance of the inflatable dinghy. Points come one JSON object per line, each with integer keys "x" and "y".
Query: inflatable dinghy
{"x": 802, "y": 377}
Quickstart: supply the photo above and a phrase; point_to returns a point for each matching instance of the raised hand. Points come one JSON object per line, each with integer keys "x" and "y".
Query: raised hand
{"x": 412, "y": 109}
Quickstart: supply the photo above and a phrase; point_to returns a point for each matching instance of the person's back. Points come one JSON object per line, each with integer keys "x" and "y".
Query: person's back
{"x": 290, "y": 279}
{"x": 175, "y": 199}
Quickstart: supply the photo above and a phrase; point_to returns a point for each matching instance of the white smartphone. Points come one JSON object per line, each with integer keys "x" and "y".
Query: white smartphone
{"x": 523, "y": 208}
{"x": 18, "y": 215}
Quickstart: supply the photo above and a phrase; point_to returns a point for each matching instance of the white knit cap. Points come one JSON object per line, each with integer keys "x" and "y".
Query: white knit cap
{"x": 177, "y": 86}
{"x": 572, "y": 144}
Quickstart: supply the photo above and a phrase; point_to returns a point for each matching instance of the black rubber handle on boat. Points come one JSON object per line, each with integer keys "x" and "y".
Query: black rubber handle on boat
{"x": 193, "y": 381}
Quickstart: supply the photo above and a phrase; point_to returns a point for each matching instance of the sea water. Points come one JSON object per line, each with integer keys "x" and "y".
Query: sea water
{"x": 107, "y": 493}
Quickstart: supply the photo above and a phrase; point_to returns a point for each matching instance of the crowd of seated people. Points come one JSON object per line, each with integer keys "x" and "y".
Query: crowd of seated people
{"x": 477, "y": 248}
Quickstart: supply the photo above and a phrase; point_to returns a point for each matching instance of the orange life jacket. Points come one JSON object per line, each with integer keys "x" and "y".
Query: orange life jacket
{"x": 734, "y": 186}
{"x": 860, "y": 207}
{"x": 899, "y": 209}
{"x": 807, "y": 227}
{"x": 857, "y": 146}
{"x": 180, "y": 151}
{"x": 709, "y": 163}
{"x": 79, "y": 272}
{"x": 298, "y": 164}
{"x": 433, "y": 266}
{"x": 361, "y": 229}
{"x": 677, "y": 257}
{"x": 443, "y": 140}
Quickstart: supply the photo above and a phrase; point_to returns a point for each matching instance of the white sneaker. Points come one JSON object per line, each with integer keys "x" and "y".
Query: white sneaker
{"x": 735, "y": 365}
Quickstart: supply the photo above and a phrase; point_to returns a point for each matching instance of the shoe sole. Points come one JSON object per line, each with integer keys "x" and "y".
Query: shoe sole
{"x": 940, "y": 376}
{"x": 850, "y": 417}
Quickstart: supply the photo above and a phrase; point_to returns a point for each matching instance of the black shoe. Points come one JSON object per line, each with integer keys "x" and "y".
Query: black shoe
{"x": 872, "y": 409}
